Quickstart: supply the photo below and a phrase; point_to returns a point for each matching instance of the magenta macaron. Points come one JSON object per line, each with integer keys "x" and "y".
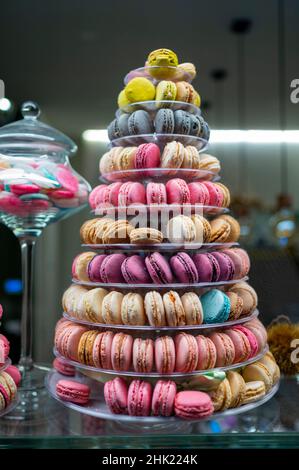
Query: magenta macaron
{"x": 94, "y": 268}
{"x": 116, "y": 395}
{"x": 110, "y": 270}
{"x": 15, "y": 374}
{"x": 226, "y": 265}
{"x": 73, "y": 391}
{"x": 158, "y": 268}
{"x": 163, "y": 398}
{"x": 139, "y": 398}
{"x": 207, "y": 266}
{"x": 134, "y": 270}
{"x": 184, "y": 268}
{"x": 177, "y": 191}
{"x": 109, "y": 194}
{"x": 147, "y": 156}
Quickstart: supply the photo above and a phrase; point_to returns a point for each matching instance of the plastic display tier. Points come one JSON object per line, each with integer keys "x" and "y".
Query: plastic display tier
{"x": 155, "y": 73}
{"x": 97, "y": 406}
{"x": 160, "y": 139}
{"x": 152, "y": 107}
{"x": 147, "y": 328}
{"x": 161, "y": 247}
{"x": 121, "y": 212}
{"x": 106, "y": 374}
{"x": 161, "y": 175}
{"x": 166, "y": 287}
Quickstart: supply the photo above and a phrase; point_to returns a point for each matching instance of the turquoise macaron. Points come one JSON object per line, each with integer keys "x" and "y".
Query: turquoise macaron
{"x": 216, "y": 306}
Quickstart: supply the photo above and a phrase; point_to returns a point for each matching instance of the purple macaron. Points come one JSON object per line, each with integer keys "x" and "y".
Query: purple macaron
{"x": 94, "y": 268}
{"x": 184, "y": 268}
{"x": 134, "y": 270}
{"x": 158, "y": 268}
{"x": 111, "y": 268}
{"x": 227, "y": 269}
{"x": 207, "y": 266}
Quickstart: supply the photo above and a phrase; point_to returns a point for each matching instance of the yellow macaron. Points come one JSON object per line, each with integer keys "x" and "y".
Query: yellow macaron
{"x": 166, "y": 90}
{"x": 140, "y": 89}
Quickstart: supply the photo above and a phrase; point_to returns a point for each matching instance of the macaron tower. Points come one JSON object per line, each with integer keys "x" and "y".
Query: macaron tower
{"x": 10, "y": 376}
{"x": 160, "y": 320}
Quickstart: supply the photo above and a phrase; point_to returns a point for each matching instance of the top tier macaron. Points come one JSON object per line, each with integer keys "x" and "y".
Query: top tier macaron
{"x": 162, "y": 78}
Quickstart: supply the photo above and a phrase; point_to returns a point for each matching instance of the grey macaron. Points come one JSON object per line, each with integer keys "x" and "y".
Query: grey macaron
{"x": 182, "y": 122}
{"x": 113, "y": 130}
{"x": 140, "y": 123}
{"x": 164, "y": 121}
{"x": 122, "y": 122}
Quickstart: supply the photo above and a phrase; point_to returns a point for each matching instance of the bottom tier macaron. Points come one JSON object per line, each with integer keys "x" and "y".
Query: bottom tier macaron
{"x": 252, "y": 384}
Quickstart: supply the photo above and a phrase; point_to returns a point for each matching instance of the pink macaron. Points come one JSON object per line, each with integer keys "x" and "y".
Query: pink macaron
{"x": 101, "y": 350}
{"x": 143, "y": 355}
{"x": 215, "y": 194}
{"x": 73, "y": 391}
{"x": 67, "y": 180}
{"x": 259, "y": 331}
{"x": 177, "y": 191}
{"x": 158, "y": 268}
{"x": 139, "y": 398}
{"x": 109, "y": 194}
{"x": 67, "y": 341}
{"x": 186, "y": 353}
{"x": 199, "y": 194}
{"x": 165, "y": 354}
{"x": 131, "y": 193}
{"x": 25, "y": 188}
{"x": 121, "y": 351}
{"x": 241, "y": 344}
{"x": 225, "y": 349}
{"x": 134, "y": 270}
{"x": 184, "y": 268}
{"x": 207, "y": 353}
{"x": 254, "y": 347}
{"x": 163, "y": 398}
{"x": 147, "y": 156}
{"x": 237, "y": 262}
{"x": 116, "y": 396}
{"x": 1, "y": 311}
{"x": 94, "y": 268}
{"x": 15, "y": 374}
{"x": 110, "y": 270}
{"x": 193, "y": 405}
{"x": 156, "y": 193}
{"x": 96, "y": 196}
{"x": 63, "y": 367}
{"x": 4, "y": 348}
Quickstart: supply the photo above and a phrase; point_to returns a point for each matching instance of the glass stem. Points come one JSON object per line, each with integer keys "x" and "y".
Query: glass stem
{"x": 27, "y": 253}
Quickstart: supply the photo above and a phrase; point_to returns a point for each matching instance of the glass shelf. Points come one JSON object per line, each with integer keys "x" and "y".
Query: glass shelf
{"x": 275, "y": 424}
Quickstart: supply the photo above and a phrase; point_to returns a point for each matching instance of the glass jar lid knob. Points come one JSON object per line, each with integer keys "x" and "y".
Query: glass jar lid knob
{"x": 30, "y": 110}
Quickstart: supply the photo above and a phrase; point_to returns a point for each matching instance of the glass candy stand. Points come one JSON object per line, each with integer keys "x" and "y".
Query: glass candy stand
{"x": 38, "y": 187}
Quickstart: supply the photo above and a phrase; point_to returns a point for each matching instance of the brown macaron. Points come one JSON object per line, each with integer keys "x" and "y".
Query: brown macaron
{"x": 235, "y": 228}
{"x": 220, "y": 230}
{"x": 236, "y": 305}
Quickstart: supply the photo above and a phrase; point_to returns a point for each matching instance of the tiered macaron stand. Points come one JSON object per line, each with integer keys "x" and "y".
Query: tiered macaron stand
{"x": 203, "y": 379}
